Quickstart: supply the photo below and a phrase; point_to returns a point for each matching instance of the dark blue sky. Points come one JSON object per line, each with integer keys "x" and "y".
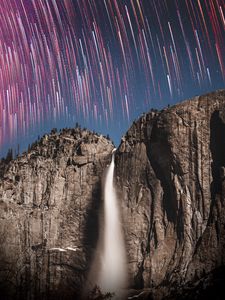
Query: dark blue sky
{"x": 103, "y": 63}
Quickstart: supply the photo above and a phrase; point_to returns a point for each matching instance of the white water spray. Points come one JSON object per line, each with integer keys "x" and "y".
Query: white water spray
{"x": 109, "y": 271}
{"x": 112, "y": 274}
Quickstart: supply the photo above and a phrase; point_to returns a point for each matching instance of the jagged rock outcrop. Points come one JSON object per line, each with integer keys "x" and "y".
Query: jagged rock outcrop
{"x": 170, "y": 175}
{"x": 49, "y": 202}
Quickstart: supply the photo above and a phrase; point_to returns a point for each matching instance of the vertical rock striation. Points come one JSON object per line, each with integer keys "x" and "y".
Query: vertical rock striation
{"x": 170, "y": 173}
{"x": 49, "y": 202}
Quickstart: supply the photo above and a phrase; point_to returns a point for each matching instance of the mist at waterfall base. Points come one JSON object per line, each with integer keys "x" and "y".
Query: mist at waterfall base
{"x": 109, "y": 269}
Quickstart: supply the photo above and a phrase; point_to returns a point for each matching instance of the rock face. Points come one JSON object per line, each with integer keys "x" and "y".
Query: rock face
{"x": 171, "y": 177}
{"x": 49, "y": 202}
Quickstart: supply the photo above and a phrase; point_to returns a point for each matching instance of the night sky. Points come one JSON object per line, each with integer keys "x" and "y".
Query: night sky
{"x": 102, "y": 63}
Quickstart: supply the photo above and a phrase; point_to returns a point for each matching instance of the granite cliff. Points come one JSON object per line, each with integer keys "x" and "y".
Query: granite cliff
{"x": 170, "y": 170}
{"x": 49, "y": 203}
{"x": 170, "y": 173}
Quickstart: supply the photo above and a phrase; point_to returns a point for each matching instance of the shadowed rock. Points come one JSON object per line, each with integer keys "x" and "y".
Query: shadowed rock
{"x": 170, "y": 174}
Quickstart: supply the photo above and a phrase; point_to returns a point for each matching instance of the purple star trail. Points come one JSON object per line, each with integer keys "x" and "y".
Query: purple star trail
{"x": 103, "y": 62}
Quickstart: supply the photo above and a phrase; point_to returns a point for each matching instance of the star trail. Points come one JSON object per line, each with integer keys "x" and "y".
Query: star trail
{"x": 103, "y": 62}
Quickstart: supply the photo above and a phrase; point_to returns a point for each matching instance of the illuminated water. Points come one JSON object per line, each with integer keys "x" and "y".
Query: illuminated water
{"x": 112, "y": 269}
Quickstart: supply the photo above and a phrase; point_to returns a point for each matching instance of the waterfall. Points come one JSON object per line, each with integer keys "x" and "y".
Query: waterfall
{"x": 112, "y": 273}
{"x": 109, "y": 271}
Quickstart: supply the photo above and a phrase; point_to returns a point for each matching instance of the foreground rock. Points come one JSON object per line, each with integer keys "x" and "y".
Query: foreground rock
{"x": 49, "y": 202}
{"x": 170, "y": 174}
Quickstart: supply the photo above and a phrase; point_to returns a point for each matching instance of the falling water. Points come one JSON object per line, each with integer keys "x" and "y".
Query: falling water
{"x": 108, "y": 270}
{"x": 112, "y": 274}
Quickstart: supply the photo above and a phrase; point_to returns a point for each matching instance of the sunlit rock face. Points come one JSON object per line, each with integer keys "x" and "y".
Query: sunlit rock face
{"x": 170, "y": 174}
{"x": 49, "y": 206}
